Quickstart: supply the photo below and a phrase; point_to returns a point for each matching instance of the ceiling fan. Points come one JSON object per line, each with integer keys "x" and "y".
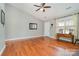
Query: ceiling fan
{"x": 42, "y": 7}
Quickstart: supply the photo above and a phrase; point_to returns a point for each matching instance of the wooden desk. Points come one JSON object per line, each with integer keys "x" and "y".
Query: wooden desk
{"x": 66, "y": 36}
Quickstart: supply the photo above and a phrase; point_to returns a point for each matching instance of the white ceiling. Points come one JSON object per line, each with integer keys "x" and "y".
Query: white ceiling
{"x": 57, "y": 10}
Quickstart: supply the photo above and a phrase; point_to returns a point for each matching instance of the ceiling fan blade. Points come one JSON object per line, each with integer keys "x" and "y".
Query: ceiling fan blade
{"x": 42, "y": 4}
{"x": 38, "y": 9}
{"x": 37, "y": 6}
{"x": 47, "y": 6}
{"x": 43, "y": 10}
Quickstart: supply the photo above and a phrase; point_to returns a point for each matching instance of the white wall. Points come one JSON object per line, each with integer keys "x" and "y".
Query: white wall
{"x": 17, "y": 24}
{"x": 2, "y": 34}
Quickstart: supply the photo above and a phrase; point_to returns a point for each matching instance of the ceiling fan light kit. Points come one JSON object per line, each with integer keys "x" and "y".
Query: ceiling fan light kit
{"x": 41, "y": 9}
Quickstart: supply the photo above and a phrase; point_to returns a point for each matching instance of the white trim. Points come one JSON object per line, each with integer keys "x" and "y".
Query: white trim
{"x": 2, "y": 50}
{"x": 23, "y": 37}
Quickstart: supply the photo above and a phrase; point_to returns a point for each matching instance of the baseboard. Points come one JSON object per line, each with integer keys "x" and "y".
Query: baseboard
{"x": 2, "y": 50}
{"x": 23, "y": 37}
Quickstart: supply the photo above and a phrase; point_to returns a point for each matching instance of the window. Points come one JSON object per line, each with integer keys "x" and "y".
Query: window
{"x": 61, "y": 31}
{"x": 61, "y": 23}
{"x": 65, "y": 25}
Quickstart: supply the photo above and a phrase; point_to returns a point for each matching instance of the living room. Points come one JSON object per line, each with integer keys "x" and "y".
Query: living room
{"x": 43, "y": 23}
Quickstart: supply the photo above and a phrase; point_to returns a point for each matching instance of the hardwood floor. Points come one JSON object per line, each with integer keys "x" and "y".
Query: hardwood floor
{"x": 41, "y": 46}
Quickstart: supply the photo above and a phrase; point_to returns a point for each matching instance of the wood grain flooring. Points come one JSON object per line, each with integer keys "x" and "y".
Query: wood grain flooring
{"x": 39, "y": 46}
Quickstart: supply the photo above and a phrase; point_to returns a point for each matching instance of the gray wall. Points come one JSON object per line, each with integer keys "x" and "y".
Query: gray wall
{"x": 17, "y": 24}
{"x": 2, "y": 34}
{"x": 48, "y": 29}
{"x": 53, "y": 28}
{"x": 78, "y": 26}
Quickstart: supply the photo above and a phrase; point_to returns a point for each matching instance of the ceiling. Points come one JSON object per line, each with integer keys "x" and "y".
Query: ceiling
{"x": 56, "y": 10}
